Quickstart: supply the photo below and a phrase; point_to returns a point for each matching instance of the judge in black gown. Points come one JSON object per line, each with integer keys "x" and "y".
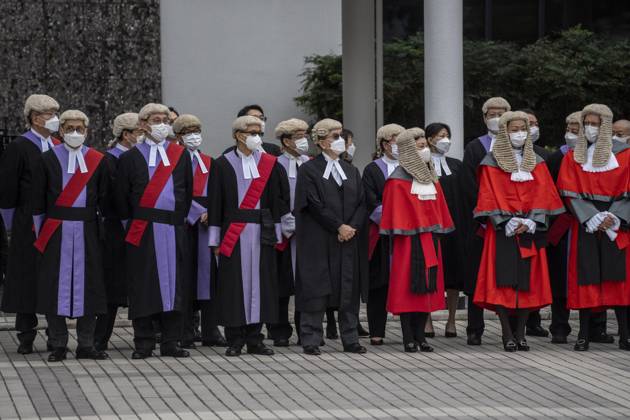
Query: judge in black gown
{"x": 329, "y": 211}
{"x": 16, "y": 175}
{"x": 257, "y": 111}
{"x": 126, "y": 134}
{"x": 153, "y": 194}
{"x": 244, "y": 210}
{"x": 448, "y": 170}
{"x": 69, "y": 184}
{"x": 374, "y": 176}
{"x": 474, "y": 153}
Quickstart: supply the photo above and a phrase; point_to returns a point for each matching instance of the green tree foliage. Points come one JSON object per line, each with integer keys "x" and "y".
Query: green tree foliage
{"x": 555, "y": 76}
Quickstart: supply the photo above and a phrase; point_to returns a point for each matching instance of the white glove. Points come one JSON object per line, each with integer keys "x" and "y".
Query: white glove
{"x": 531, "y": 225}
{"x": 287, "y": 225}
{"x": 515, "y": 222}
{"x": 593, "y": 223}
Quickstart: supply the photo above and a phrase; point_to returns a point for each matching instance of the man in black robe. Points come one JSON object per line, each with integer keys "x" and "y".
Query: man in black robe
{"x": 329, "y": 211}
{"x": 257, "y": 111}
{"x": 153, "y": 195}
{"x": 16, "y": 174}
{"x": 69, "y": 185}
{"x": 474, "y": 153}
{"x": 244, "y": 209}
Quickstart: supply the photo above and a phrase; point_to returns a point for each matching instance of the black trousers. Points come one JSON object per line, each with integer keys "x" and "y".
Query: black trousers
{"x": 281, "y": 330}
{"x": 105, "y": 327}
{"x": 312, "y": 332}
{"x": 376, "y": 312}
{"x": 209, "y": 319}
{"x": 245, "y": 334}
{"x": 58, "y": 331}
{"x": 25, "y": 325}
{"x": 412, "y": 326}
{"x": 560, "y": 320}
{"x": 476, "y": 324}
{"x": 170, "y": 324}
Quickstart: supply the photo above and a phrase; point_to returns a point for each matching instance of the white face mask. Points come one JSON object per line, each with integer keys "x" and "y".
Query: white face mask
{"x": 253, "y": 142}
{"x": 570, "y": 139}
{"x": 351, "y": 149}
{"x": 395, "y": 151}
{"x": 534, "y": 132}
{"x": 74, "y": 139}
{"x": 192, "y": 140}
{"x": 621, "y": 139}
{"x": 140, "y": 139}
{"x": 443, "y": 145}
{"x": 52, "y": 124}
{"x": 518, "y": 139}
{"x": 425, "y": 154}
{"x": 159, "y": 132}
{"x": 301, "y": 146}
{"x": 338, "y": 146}
{"x": 493, "y": 124}
{"x": 591, "y": 132}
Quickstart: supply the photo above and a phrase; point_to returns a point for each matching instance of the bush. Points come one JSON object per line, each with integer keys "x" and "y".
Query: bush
{"x": 555, "y": 76}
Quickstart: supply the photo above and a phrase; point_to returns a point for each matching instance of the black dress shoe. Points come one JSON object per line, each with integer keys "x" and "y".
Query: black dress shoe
{"x": 101, "y": 346}
{"x": 559, "y": 339}
{"x": 140, "y": 354}
{"x": 362, "y": 331}
{"x": 581, "y": 345}
{"x": 90, "y": 353}
{"x": 260, "y": 349}
{"x": 331, "y": 335}
{"x": 425, "y": 347}
{"x": 411, "y": 347}
{"x": 174, "y": 351}
{"x": 474, "y": 340}
{"x": 233, "y": 351}
{"x": 537, "y": 331}
{"x": 624, "y": 345}
{"x": 312, "y": 350}
{"x": 189, "y": 344}
{"x": 26, "y": 348}
{"x": 354, "y": 348}
{"x": 509, "y": 345}
{"x": 281, "y": 342}
{"x": 58, "y": 355}
{"x": 376, "y": 342}
{"x": 602, "y": 338}
{"x": 522, "y": 345}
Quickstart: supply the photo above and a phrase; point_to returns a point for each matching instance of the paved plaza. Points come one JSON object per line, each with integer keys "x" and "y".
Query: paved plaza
{"x": 457, "y": 381}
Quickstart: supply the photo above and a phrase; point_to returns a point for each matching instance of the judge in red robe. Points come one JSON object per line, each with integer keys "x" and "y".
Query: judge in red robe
{"x": 414, "y": 214}
{"x": 516, "y": 199}
{"x": 594, "y": 180}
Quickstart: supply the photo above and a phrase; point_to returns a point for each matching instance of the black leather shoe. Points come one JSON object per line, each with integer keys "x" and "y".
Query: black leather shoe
{"x": 425, "y": 347}
{"x": 559, "y": 339}
{"x": 281, "y": 342}
{"x": 140, "y": 354}
{"x": 26, "y": 348}
{"x": 450, "y": 334}
{"x": 537, "y": 331}
{"x": 233, "y": 351}
{"x": 100, "y": 346}
{"x": 509, "y": 345}
{"x": 174, "y": 351}
{"x": 624, "y": 345}
{"x": 581, "y": 345}
{"x": 90, "y": 353}
{"x": 602, "y": 338}
{"x": 189, "y": 344}
{"x": 376, "y": 342}
{"x": 354, "y": 348}
{"x": 261, "y": 350}
{"x": 473, "y": 339}
{"x": 58, "y": 355}
{"x": 411, "y": 347}
{"x": 312, "y": 350}
{"x": 362, "y": 331}
{"x": 522, "y": 345}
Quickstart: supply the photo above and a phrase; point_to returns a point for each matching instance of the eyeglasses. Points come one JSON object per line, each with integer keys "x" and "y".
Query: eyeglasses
{"x": 252, "y": 133}
{"x": 336, "y": 136}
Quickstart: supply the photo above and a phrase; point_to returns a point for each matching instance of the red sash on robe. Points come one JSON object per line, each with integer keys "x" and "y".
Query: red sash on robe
{"x": 199, "y": 178}
{"x": 252, "y": 196}
{"x": 152, "y": 192}
{"x": 68, "y": 196}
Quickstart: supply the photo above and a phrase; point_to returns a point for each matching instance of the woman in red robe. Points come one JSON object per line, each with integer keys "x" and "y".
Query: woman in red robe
{"x": 594, "y": 180}
{"x": 414, "y": 214}
{"x": 516, "y": 198}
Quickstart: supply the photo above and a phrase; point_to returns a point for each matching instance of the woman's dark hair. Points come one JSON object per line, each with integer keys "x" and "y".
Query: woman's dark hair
{"x": 248, "y": 108}
{"x": 172, "y": 109}
{"x": 434, "y": 128}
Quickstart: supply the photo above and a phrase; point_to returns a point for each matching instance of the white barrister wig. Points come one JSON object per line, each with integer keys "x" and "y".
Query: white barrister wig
{"x": 322, "y": 128}
{"x": 185, "y": 121}
{"x": 150, "y": 109}
{"x": 241, "y": 123}
{"x": 74, "y": 114}
{"x": 385, "y": 133}
{"x": 289, "y": 127}
{"x": 603, "y": 145}
{"x": 496, "y": 102}
{"x": 502, "y": 149}
{"x": 574, "y": 117}
{"x": 39, "y": 103}
{"x": 126, "y": 121}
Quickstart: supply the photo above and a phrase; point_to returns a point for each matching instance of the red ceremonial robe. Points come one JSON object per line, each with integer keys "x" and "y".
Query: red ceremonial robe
{"x": 598, "y": 271}
{"x": 416, "y": 279}
{"x": 513, "y": 271}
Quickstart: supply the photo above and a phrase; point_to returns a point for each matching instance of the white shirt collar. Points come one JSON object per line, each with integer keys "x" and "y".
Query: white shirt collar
{"x": 333, "y": 167}
{"x": 121, "y": 147}
{"x": 250, "y": 167}
{"x": 294, "y": 163}
{"x": 588, "y": 165}
{"x": 493, "y": 138}
{"x": 156, "y": 148}
{"x": 47, "y": 142}
{"x": 74, "y": 156}
{"x": 392, "y": 164}
{"x": 440, "y": 164}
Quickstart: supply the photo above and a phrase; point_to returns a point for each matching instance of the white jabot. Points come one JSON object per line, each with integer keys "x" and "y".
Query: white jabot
{"x": 392, "y": 164}
{"x": 333, "y": 167}
{"x": 294, "y": 163}
{"x": 121, "y": 147}
{"x": 74, "y": 156}
{"x": 588, "y": 165}
{"x": 250, "y": 169}
{"x": 494, "y": 138}
{"x": 194, "y": 154}
{"x": 424, "y": 191}
{"x": 47, "y": 142}
{"x": 155, "y": 149}
{"x": 440, "y": 164}
{"x": 520, "y": 176}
